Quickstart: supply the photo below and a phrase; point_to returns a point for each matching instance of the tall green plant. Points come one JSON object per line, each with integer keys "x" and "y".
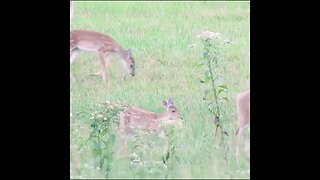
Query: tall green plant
{"x": 105, "y": 122}
{"x": 215, "y": 94}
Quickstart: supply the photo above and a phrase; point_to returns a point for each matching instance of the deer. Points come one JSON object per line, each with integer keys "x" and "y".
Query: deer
{"x": 134, "y": 118}
{"x": 71, "y": 10}
{"x": 243, "y": 119}
{"x": 101, "y": 44}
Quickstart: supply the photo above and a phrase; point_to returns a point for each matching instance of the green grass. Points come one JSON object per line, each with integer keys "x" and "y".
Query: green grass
{"x": 159, "y": 34}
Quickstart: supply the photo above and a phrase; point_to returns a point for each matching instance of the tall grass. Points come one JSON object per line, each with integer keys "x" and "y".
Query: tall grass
{"x": 159, "y": 34}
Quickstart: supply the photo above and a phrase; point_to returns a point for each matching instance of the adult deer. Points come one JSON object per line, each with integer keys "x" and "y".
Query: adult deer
{"x": 133, "y": 118}
{"x": 243, "y": 121}
{"x": 103, "y": 45}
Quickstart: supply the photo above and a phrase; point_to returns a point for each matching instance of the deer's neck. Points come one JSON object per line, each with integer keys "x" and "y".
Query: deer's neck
{"x": 121, "y": 52}
{"x": 160, "y": 116}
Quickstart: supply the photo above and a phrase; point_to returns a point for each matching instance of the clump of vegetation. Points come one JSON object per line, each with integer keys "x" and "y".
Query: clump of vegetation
{"x": 102, "y": 140}
{"x": 216, "y": 93}
{"x": 146, "y": 151}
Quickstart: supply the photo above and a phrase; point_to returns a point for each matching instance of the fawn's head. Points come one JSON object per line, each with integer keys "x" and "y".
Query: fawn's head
{"x": 129, "y": 63}
{"x": 172, "y": 114}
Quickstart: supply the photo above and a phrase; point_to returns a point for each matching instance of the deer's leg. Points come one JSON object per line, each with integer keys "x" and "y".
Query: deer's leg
{"x": 123, "y": 142}
{"x": 125, "y": 133}
{"x": 164, "y": 136}
{"x": 124, "y": 136}
{"x": 104, "y": 63}
{"x": 239, "y": 137}
{"x": 102, "y": 66}
{"x": 238, "y": 140}
{"x": 73, "y": 54}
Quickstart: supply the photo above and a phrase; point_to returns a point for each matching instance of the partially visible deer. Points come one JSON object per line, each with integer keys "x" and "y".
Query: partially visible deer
{"x": 71, "y": 10}
{"x": 103, "y": 45}
{"x": 133, "y": 118}
{"x": 243, "y": 121}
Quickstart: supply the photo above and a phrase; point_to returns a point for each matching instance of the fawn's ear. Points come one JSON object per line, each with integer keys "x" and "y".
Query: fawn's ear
{"x": 129, "y": 52}
{"x": 169, "y": 102}
{"x": 164, "y": 103}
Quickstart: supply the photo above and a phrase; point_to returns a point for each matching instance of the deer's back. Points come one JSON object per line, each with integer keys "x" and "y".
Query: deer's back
{"x": 243, "y": 105}
{"x": 91, "y": 41}
{"x": 243, "y": 100}
{"x": 134, "y": 117}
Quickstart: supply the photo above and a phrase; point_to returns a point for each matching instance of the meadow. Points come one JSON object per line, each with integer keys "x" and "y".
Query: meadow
{"x": 162, "y": 36}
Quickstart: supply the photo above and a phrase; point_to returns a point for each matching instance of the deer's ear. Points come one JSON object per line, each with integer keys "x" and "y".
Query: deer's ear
{"x": 129, "y": 52}
{"x": 170, "y": 102}
{"x": 164, "y": 103}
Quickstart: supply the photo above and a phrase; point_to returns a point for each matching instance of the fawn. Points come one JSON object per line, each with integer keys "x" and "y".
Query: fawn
{"x": 243, "y": 121}
{"x": 103, "y": 45}
{"x": 136, "y": 118}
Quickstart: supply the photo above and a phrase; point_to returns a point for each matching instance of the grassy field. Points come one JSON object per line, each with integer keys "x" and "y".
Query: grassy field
{"x": 159, "y": 34}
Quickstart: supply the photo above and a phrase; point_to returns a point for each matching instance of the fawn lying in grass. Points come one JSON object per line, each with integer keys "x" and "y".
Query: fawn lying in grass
{"x": 133, "y": 118}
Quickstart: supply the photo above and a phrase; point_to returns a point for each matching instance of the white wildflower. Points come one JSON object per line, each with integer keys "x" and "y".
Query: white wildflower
{"x": 209, "y": 35}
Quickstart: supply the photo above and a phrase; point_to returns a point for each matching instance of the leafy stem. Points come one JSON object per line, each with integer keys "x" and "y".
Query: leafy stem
{"x": 211, "y": 57}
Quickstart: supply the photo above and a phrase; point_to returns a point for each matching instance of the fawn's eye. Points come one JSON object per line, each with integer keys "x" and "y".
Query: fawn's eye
{"x": 173, "y": 111}
{"x": 131, "y": 65}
